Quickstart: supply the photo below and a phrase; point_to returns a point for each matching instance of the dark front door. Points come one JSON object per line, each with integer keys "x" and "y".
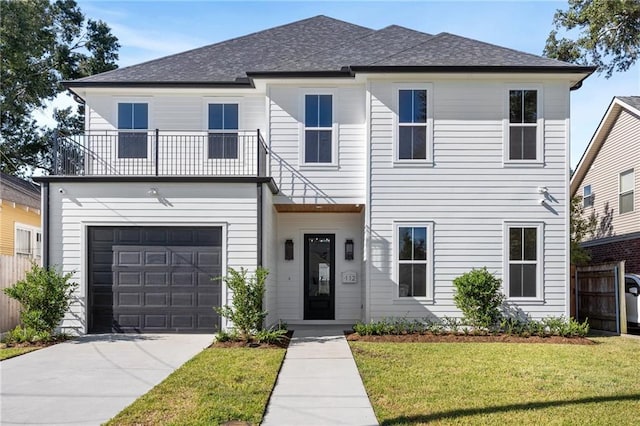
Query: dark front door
{"x": 319, "y": 276}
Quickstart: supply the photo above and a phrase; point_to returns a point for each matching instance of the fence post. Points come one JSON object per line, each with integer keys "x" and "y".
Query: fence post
{"x": 157, "y": 144}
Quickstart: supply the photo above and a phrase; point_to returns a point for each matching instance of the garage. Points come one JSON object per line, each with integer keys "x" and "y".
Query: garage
{"x": 153, "y": 279}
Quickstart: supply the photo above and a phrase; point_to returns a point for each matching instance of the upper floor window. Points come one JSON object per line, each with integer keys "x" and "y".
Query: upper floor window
{"x": 587, "y": 196}
{"x": 523, "y": 125}
{"x": 414, "y": 259}
{"x": 133, "y": 118}
{"x": 523, "y": 265}
{"x": 223, "y": 131}
{"x": 412, "y": 124}
{"x": 626, "y": 191}
{"x": 318, "y": 131}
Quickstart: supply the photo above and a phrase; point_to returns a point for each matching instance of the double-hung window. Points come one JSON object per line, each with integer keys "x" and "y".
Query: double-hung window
{"x": 523, "y": 134}
{"x": 28, "y": 241}
{"x": 626, "y": 191}
{"x": 223, "y": 131}
{"x": 412, "y": 124}
{"x": 318, "y": 129}
{"x": 523, "y": 264}
{"x": 587, "y": 196}
{"x": 414, "y": 259}
{"x": 133, "y": 122}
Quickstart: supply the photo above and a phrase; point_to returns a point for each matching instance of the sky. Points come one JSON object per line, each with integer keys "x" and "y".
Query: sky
{"x": 152, "y": 29}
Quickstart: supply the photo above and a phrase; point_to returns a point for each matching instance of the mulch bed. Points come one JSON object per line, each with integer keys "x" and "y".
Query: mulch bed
{"x": 283, "y": 343}
{"x": 458, "y": 338}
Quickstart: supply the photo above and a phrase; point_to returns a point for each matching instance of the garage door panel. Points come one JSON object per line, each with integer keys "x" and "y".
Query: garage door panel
{"x": 158, "y": 279}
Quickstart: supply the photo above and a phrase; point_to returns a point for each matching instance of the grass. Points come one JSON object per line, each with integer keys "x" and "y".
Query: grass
{"x": 6, "y": 353}
{"x": 502, "y": 383}
{"x": 216, "y": 386}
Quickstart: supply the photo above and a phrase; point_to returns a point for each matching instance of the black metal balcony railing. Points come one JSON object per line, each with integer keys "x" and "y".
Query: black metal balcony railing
{"x": 161, "y": 153}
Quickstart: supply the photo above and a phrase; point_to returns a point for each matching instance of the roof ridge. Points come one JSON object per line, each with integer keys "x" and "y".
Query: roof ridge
{"x": 408, "y": 48}
{"x": 221, "y": 42}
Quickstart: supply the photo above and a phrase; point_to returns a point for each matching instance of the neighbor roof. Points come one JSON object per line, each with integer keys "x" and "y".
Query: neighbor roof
{"x": 324, "y": 46}
{"x": 618, "y": 103}
{"x": 19, "y": 191}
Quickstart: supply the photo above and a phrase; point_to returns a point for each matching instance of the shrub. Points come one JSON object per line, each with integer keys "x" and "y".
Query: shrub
{"x": 22, "y": 334}
{"x": 44, "y": 296}
{"x": 272, "y": 335}
{"x": 478, "y": 295}
{"x": 245, "y": 311}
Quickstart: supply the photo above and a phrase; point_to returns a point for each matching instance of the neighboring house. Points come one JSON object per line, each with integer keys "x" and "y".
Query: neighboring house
{"x": 608, "y": 179}
{"x": 20, "y": 233}
{"x": 366, "y": 169}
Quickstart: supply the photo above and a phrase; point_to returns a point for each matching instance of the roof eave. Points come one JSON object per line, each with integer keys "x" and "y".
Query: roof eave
{"x": 237, "y": 83}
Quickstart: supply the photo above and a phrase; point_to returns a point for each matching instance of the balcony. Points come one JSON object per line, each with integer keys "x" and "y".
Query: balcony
{"x": 161, "y": 153}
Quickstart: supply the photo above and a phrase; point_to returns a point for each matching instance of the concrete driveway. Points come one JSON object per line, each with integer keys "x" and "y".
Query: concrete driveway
{"x": 89, "y": 380}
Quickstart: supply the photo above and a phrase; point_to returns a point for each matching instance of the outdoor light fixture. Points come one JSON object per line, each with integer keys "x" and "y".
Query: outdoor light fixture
{"x": 152, "y": 192}
{"x": 288, "y": 250}
{"x": 348, "y": 250}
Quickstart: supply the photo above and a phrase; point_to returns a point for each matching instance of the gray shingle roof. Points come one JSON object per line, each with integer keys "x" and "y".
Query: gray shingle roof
{"x": 320, "y": 45}
{"x": 634, "y": 101}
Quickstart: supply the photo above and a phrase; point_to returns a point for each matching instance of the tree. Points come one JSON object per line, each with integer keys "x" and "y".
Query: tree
{"x": 41, "y": 44}
{"x": 580, "y": 228}
{"x": 609, "y": 34}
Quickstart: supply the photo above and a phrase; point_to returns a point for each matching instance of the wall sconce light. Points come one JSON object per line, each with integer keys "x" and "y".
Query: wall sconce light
{"x": 152, "y": 192}
{"x": 348, "y": 250}
{"x": 288, "y": 250}
{"x": 543, "y": 190}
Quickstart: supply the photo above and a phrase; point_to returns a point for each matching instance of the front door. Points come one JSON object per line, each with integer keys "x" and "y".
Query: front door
{"x": 319, "y": 276}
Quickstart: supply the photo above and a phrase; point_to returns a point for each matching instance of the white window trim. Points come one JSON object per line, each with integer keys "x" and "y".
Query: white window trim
{"x": 334, "y": 129}
{"x": 428, "y": 298}
{"x": 222, "y": 100}
{"x": 539, "y": 262}
{"x": 585, "y": 196}
{"x": 396, "y": 123}
{"x": 150, "y": 125}
{"x": 632, "y": 190}
{"x": 539, "y": 161}
{"x": 33, "y": 231}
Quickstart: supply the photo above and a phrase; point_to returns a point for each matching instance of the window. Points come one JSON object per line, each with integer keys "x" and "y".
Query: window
{"x": 414, "y": 259}
{"x": 523, "y": 125}
{"x": 523, "y": 274}
{"x": 412, "y": 124}
{"x": 28, "y": 241}
{"x": 318, "y": 122}
{"x": 587, "y": 196}
{"x": 223, "y": 131}
{"x": 133, "y": 117}
{"x": 626, "y": 191}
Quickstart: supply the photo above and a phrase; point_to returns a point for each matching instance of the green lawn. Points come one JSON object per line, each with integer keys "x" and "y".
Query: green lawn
{"x": 6, "y": 353}
{"x": 216, "y": 386}
{"x": 502, "y": 383}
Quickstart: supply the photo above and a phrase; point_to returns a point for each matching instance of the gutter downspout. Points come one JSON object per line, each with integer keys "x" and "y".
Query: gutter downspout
{"x": 259, "y": 203}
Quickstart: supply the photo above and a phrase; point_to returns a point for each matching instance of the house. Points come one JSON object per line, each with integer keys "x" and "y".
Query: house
{"x": 365, "y": 169}
{"x": 608, "y": 177}
{"x": 20, "y": 233}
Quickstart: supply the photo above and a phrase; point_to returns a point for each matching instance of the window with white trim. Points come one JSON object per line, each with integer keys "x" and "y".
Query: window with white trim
{"x": 413, "y": 259}
{"x": 523, "y": 261}
{"x": 318, "y": 128}
{"x": 626, "y": 191}
{"x": 587, "y": 196}
{"x": 223, "y": 130}
{"x": 27, "y": 241}
{"x": 133, "y": 124}
{"x": 412, "y": 124}
{"x": 523, "y": 143}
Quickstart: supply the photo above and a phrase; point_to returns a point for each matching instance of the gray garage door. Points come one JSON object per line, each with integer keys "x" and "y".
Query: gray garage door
{"x": 154, "y": 279}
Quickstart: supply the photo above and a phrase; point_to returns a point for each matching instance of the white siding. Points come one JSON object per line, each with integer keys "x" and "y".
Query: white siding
{"x": 299, "y": 183}
{"x": 619, "y": 153}
{"x": 270, "y": 255}
{"x": 85, "y": 204}
{"x": 468, "y": 193}
{"x": 291, "y": 273}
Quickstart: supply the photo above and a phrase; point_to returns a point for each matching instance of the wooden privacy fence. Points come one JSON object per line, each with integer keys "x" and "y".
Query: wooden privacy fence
{"x": 599, "y": 293}
{"x": 12, "y": 269}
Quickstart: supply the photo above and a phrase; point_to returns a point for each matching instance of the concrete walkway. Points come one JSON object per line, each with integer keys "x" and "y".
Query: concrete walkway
{"x": 88, "y": 380}
{"x": 319, "y": 384}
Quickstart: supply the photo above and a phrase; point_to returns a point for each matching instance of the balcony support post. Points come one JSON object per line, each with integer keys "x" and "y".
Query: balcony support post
{"x": 156, "y": 149}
